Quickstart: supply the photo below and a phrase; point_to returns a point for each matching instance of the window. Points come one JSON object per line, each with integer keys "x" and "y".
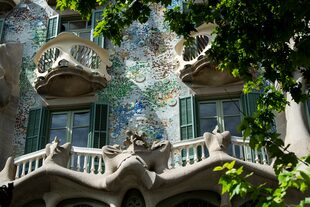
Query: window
{"x": 79, "y": 27}
{"x": 222, "y": 113}
{"x": 70, "y": 126}
{"x": 197, "y": 117}
{"x": 87, "y": 127}
{"x": 76, "y": 25}
{"x": 1, "y": 28}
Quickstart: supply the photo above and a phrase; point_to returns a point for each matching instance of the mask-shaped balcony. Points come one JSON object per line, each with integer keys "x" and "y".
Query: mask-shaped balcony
{"x": 195, "y": 69}
{"x": 69, "y": 66}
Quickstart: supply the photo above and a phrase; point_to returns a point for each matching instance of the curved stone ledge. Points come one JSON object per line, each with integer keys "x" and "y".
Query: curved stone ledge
{"x": 69, "y": 82}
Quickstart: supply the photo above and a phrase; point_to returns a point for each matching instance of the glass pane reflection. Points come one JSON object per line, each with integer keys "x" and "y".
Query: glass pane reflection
{"x": 59, "y": 120}
{"x": 207, "y": 109}
{"x": 81, "y": 119}
{"x": 80, "y": 137}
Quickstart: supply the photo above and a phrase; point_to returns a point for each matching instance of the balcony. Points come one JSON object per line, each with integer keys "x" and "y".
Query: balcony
{"x": 161, "y": 169}
{"x": 69, "y": 66}
{"x": 182, "y": 154}
{"x": 196, "y": 70}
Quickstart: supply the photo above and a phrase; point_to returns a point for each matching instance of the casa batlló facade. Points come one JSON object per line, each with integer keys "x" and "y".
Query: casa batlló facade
{"x": 87, "y": 123}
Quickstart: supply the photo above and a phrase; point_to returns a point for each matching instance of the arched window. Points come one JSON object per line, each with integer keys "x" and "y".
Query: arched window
{"x": 133, "y": 198}
{"x": 35, "y": 203}
{"x": 201, "y": 198}
{"x": 81, "y": 202}
{"x": 195, "y": 203}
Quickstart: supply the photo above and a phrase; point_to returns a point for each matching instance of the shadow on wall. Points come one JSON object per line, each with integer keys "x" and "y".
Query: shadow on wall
{"x": 26, "y": 24}
{"x": 10, "y": 63}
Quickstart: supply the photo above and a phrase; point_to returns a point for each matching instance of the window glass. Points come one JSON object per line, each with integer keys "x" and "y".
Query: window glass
{"x": 222, "y": 113}
{"x": 71, "y": 126}
{"x": 59, "y": 120}
{"x": 207, "y": 109}
{"x": 80, "y": 28}
{"x": 231, "y": 107}
{"x": 231, "y": 124}
{"x": 60, "y": 133}
{"x": 81, "y": 119}
{"x": 207, "y": 125}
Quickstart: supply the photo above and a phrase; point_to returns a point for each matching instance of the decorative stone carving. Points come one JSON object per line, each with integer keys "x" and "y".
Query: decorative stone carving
{"x": 217, "y": 141}
{"x": 8, "y": 172}
{"x": 57, "y": 154}
{"x": 153, "y": 158}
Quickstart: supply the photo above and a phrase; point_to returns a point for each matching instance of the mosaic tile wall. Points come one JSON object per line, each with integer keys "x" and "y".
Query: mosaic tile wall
{"x": 143, "y": 94}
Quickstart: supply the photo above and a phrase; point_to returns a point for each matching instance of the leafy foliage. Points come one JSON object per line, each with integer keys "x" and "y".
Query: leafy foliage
{"x": 236, "y": 183}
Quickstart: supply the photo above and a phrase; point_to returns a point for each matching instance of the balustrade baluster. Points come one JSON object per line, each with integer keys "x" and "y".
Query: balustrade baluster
{"x": 17, "y": 171}
{"x": 23, "y": 169}
{"x": 37, "y": 163}
{"x": 29, "y": 166}
{"x": 195, "y": 153}
{"x": 72, "y": 161}
{"x": 241, "y": 148}
{"x": 85, "y": 163}
{"x": 233, "y": 150}
{"x": 187, "y": 156}
{"x": 92, "y": 169}
{"x": 100, "y": 165}
{"x": 203, "y": 155}
{"x": 264, "y": 156}
{"x": 78, "y": 168}
{"x": 256, "y": 156}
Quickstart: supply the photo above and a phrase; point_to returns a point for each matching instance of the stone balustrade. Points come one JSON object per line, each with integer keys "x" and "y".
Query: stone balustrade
{"x": 184, "y": 153}
{"x": 27, "y": 163}
{"x": 87, "y": 160}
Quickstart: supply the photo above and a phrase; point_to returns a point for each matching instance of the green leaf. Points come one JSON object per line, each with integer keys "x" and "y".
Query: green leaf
{"x": 218, "y": 168}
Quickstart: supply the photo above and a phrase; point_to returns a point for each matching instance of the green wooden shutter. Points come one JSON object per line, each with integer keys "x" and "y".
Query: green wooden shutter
{"x": 98, "y": 125}
{"x": 249, "y": 103}
{"x": 1, "y": 28}
{"x": 53, "y": 27}
{"x": 96, "y": 16}
{"x": 187, "y": 117}
{"x": 36, "y": 130}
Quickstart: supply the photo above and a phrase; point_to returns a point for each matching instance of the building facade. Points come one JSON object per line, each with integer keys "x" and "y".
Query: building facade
{"x": 93, "y": 124}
